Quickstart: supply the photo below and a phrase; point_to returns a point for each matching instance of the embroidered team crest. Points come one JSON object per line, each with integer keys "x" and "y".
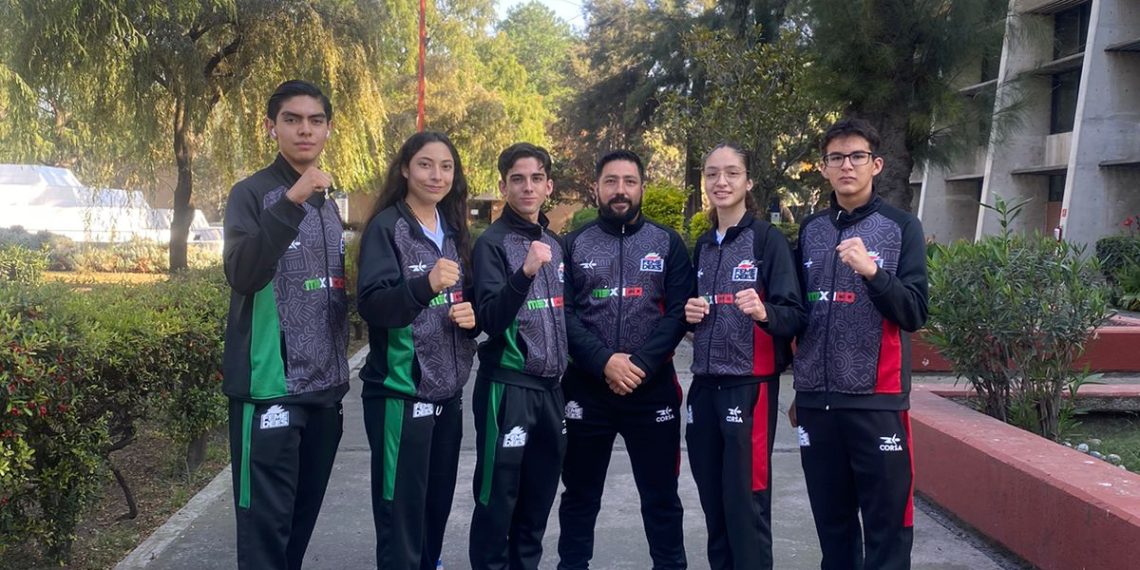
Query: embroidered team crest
{"x": 422, "y": 410}
{"x": 515, "y": 438}
{"x": 573, "y": 410}
{"x": 874, "y": 255}
{"x": 561, "y": 271}
{"x": 275, "y": 417}
{"x": 746, "y": 271}
{"x": 653, "y": 262}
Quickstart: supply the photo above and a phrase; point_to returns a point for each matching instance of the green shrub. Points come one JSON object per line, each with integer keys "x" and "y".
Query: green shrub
{"x": 1115, "y": 252}
{"x": 698, "y": 224}
{"x": 790, "y": 231}
{"x": 581, "y": 218}
{"x": 21, "y": 265}
{"x": 1011, "y": 313}
{"x": 1128, "y": 285}
{"x": 79, "y": 369}
{"x": 665, "y": 204}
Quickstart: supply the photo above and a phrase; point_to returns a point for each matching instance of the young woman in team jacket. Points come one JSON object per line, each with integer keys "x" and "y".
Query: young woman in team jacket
{"x": 414, "y": 293}
{"x": 747, "y": 309}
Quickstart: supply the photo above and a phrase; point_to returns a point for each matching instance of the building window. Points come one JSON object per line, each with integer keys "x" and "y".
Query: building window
{"x": 1064, "y": 109}
{"x": 1056, "y": 188}
{"x": 1071, "y": 30}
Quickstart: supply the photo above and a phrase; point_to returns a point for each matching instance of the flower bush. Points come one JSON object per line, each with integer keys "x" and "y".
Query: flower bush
{"x": 80, "y": 368}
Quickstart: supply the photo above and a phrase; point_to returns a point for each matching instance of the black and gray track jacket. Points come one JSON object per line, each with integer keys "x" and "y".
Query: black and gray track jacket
{"x": 522, "y": 315}
{"x": 287, "y": 331}
{"x": 855, "y": 351}
{"x": 728, "y": 345}
{"x": 416, "y": 351}
{"x": 626, "y": 287}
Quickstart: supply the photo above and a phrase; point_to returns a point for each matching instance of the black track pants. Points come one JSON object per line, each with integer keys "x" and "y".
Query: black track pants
{"x": 730, "y": 434}
{"x": 653, "y": 439}
{"x": 521, "y": 440}
{"x": 282, "y": 456}
{"x": 859, "y": 462}
{"x": 415, "y": 456}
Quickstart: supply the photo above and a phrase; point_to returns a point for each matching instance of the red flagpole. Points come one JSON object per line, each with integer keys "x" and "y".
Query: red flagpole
{"x": 420, "y": 72}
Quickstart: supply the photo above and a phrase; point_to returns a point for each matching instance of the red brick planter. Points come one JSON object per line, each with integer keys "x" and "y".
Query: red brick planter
{"x": 1112, "y": 349}
{"x": 1051, "y": 505}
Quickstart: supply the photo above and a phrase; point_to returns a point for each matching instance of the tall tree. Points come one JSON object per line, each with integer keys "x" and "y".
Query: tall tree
{"x": 545, "y": 44}
{"x": 896, "y": 63}
{"x": 136, "y": 83}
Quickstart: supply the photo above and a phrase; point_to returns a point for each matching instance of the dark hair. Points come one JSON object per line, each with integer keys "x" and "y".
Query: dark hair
{"x": 851, "y": 127}
{"x": 295, "y": 88}
{"x": 746, "y": 157}
{"x": 627, "y": 155}
{"x": 453, "y": 206}
{"x": 519, "y": 151}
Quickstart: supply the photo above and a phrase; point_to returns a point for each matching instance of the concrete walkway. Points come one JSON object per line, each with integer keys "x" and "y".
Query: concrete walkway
{"x": 202, "y": 535}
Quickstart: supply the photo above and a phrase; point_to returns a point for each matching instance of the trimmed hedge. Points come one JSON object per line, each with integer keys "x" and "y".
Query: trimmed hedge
{"x": 80, "y": 368}
{"x": 135, "y": 256}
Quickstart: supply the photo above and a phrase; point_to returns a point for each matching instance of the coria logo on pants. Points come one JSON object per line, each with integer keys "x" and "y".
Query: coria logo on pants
{"x": 665, "y": 415}
{"x": 653, "y": 262}
{"x": 733, "y": 416}
{"x": 890, "y": 443}
{"x": 745, "y": 271}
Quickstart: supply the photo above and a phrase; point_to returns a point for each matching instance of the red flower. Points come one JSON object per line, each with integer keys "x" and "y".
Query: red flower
{"x": 15, "y": 412}
{"x": 1127, "y": 222}
{"x": 43, "y": 410}
{"x": 12, "y": 388}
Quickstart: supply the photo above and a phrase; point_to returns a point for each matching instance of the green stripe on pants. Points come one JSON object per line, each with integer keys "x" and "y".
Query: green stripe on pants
{"x": 246, "y": 435}
{"x": 494, "y": 400}
{"x": 393, "y": 429}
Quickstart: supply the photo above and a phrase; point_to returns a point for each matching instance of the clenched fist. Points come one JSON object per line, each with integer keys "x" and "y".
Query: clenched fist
{"x": 445, "y": 274}
{"x": 622, "y": 375}
{"x": 749, "y": 303}
{"x": 695, "y": 310}
{"x": 313, "y": 180}
{"x": 854, "y": 254}
{"x": 538, "y": 255}
{"x": 462, "y": 315}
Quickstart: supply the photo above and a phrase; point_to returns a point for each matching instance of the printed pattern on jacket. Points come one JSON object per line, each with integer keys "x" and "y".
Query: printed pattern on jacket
{"x": 310, "y": 294}
{"x": 620, "y": 298}
{"x": 540, "y": 333}
{"x": 843, "y": 319}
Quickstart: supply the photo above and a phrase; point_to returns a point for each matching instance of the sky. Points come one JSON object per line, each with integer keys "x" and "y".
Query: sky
{"x": 569, "y": 10}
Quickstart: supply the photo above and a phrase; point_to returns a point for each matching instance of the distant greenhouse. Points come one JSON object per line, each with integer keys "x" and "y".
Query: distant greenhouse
{"x": 44, "y": 198}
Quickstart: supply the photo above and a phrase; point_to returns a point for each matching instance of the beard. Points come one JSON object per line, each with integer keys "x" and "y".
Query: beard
{"x": 606, "y": 211}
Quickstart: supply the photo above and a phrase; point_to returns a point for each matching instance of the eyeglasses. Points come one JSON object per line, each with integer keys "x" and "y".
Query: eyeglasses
{"x": 731, "y": 174}
{"x": 858, "y": 158}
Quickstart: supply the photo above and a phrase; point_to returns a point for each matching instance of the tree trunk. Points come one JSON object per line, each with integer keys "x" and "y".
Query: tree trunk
{"x": 183, "y": 212}
{"x": 132, "y": 506}
{"x": 893, "y": 183}
{"x": 196, "y": 453}
{"x": 692, "y": 179}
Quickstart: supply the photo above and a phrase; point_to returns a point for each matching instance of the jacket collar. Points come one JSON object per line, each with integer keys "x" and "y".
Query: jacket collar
{"x": 414, "y": 222}
{"x": 841, "y": 218}
{"x": 614, "y": 228}
{"x": 522, "y": 225}
{"x": 734, "y": 231}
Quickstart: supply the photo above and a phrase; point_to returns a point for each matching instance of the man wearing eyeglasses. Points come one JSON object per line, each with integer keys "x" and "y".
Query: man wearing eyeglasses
{"x": 863, "y": 270}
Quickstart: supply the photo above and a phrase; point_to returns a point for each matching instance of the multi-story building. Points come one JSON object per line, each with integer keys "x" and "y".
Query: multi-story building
{"x": 1065, "y": 129}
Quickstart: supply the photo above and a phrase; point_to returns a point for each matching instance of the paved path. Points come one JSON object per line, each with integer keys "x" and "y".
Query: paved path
{"x": 202, "y": 536}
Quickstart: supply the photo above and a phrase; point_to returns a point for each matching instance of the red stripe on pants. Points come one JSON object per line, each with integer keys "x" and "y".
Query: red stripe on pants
{"x": 908, "y": 517}
{"x": 760, "y": 439}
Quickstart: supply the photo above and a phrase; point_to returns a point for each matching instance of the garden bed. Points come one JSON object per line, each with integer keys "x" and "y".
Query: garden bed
{"x": 1051, "y": 505}
{"x": 1112, "y": 348}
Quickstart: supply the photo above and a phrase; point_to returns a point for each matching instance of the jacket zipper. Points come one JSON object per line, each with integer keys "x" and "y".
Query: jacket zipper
{"x": 713, "y": 308}
{"x": 830, "y": 303}
{"x": 328, "y": 289}
{"x": 621, "y": 286}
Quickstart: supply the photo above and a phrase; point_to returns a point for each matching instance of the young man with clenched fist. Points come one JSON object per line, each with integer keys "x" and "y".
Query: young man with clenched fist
{"x": 285, "y": 365}
{"x": 521, "y": 434}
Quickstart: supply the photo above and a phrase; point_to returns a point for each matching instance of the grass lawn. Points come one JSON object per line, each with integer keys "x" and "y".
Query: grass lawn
{"x": 90, "y": 277}
{"x": 1119, "y": 433}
